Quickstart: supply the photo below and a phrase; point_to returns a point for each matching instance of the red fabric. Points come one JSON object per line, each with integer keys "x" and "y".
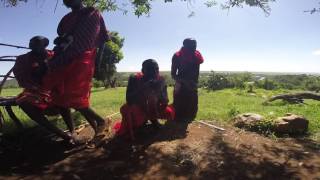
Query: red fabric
{"x": 90, "y": 32}
{"x": 25, "y": 65}
{"x": 133, "y": 117}
{"x": 70, "y": 85}
{"x": 139, "y": 75}
{"x": 38, "y": 98}
{"x": 33, "y": 93}
{"x": 190, "y": 56}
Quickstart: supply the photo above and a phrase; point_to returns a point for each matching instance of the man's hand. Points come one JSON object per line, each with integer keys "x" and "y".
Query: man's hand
{"x": 47, "y": 62}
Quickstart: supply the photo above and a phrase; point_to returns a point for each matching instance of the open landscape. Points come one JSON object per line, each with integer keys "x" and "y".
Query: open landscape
{"x": 113, "y": 89}
{"x": 177, "y": 150}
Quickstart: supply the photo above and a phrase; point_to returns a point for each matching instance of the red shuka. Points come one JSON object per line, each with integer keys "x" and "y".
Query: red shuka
{"x": 70, "y": 86}
{"x": 33, "y": 91}
{"x": 141, "y": 107}
{"x": 70, "y": 80}
{"x": 188, "y": 57}
{"x": 133, "y": 117}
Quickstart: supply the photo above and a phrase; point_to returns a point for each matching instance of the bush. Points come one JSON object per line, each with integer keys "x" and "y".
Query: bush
{"x": 97, "y": 84}
{"x": 217, "y": 81}
{"x": 221, "y": 81}
{"x": 266, "y": 84}
{"x": 312, "y": 84}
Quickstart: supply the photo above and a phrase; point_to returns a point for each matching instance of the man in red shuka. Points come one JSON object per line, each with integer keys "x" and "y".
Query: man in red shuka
{"x": 72, "y": 67}
{"x": 29, "y": 70}
{"x": 185, "y": 71}
{"x": 147, "y": 99}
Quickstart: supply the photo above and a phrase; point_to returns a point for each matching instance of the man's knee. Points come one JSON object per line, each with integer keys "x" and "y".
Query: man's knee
{"x": 124, "y": 109}
{"x": 83, "y": 110}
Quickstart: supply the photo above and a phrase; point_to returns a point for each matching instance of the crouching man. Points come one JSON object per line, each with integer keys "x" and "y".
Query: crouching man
{"x": 146, "y": 99}
{"x": 29, "y": 70}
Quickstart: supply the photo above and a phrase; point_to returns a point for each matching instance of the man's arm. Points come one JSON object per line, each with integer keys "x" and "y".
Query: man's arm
{"x": 131, "y": 92}
{"x": 174, "y": 67}
{"x": 164, "y": 100}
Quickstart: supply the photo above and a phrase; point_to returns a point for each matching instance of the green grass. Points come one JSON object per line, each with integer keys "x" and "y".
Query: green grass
{"x": 213, "y": 105}
{"x": 223, "y": 105}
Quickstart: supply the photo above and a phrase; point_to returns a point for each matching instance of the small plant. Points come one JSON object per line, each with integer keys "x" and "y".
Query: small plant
{"x": 264, "y": 127}
{"x": 233, "y": 111}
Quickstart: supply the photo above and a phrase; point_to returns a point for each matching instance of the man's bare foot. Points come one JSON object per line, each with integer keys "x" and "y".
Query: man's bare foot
{"x": 102, "y": 127}
{"x": 76, "y": 140}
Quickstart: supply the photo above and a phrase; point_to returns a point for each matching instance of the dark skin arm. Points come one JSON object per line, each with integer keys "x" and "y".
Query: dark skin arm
{"x": 163, "y": 99}
{"x": 132, "y": 91}
{"x": 174, "y": 67}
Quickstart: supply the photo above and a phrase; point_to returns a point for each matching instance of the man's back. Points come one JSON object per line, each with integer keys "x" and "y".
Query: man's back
{"x": 139, "y": 90}
{"x": 186, "y": 65}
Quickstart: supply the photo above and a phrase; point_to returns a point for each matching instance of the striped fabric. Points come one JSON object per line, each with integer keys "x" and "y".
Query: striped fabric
{"x": 88, "y": 30}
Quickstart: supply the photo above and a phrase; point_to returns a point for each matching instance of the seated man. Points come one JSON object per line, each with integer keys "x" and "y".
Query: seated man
{"x": 29, "y": 70}
{"x": 147, "y": 99}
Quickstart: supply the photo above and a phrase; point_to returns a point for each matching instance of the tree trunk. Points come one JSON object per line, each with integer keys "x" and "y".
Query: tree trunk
{"x": 113, "y": 83}
{"x": 106, "y": 84}
{"x": 296, "y": 97}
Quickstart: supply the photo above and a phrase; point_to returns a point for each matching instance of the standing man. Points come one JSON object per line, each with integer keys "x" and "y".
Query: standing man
{"x": 71, "y": 69}
{"x": 185, "y": 71}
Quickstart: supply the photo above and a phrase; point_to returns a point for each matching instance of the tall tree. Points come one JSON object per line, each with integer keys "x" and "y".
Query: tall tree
{"x": 143, "y": 7}
{"x": 111, "y": 55}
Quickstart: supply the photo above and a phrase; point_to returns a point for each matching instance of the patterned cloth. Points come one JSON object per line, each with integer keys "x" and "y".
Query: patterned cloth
{"x": 186, "y": 64}
{"x": 134, "y": 117}
{"x": 146, "y": 100}
{"x": 70, "y": 85}
{"x": 39, "y": 98}
{"x": 29, "y": 70}
{"x": 73, "y": 69}
{"x": 185, "y": 70}
{"x": 88, "y": 30}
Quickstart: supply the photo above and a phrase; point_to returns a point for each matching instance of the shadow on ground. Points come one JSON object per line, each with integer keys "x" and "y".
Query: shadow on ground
{"x": 177, "y": 150}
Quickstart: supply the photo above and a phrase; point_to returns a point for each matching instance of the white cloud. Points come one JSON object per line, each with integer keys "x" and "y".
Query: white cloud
{"x": 316, "y": 52}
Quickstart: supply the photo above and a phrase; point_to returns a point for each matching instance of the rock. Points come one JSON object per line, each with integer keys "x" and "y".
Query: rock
{"x": 291, "y": 124}
{"x": 247, "y": 119}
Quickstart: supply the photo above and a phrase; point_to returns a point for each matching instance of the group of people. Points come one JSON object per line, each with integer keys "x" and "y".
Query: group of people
{"x": 60, "y": 80}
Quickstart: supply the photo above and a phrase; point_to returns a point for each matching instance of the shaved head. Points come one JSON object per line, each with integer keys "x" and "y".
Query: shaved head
{"x": 38, "y": 44}
{"x": 150, "y": 68}
{"x": 190, "y": 44}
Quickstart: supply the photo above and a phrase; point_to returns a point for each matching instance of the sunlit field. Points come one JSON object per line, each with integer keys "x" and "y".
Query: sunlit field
{"x": 220, "y": 106}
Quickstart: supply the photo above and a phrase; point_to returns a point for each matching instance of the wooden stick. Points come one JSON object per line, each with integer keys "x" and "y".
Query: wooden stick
{"x": 4, "y": 79}
{"x": 15, "y": 46}
{"x": 113, "y": 114}
{"x": 212, "y": 126}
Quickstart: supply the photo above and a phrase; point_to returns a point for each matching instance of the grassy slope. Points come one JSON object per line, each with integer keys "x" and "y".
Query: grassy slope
{"x": 218, "y": 105}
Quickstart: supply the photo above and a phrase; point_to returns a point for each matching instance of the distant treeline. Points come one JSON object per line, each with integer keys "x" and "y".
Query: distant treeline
{"x": 217, "y": 81}
{"x": 221, "y": 80}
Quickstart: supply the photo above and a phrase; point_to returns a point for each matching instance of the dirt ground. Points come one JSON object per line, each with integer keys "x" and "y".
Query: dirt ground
{"x": 176, "y": 151}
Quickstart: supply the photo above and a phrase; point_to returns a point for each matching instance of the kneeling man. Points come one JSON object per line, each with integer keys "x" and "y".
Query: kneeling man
{"x": 147, "y": 99}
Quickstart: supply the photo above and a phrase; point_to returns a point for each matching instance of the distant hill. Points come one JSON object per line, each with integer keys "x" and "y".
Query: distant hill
{"x": 123, "y": 76}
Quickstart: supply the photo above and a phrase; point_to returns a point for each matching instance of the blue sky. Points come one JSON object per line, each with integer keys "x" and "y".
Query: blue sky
{"x": 242, "y": 39}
